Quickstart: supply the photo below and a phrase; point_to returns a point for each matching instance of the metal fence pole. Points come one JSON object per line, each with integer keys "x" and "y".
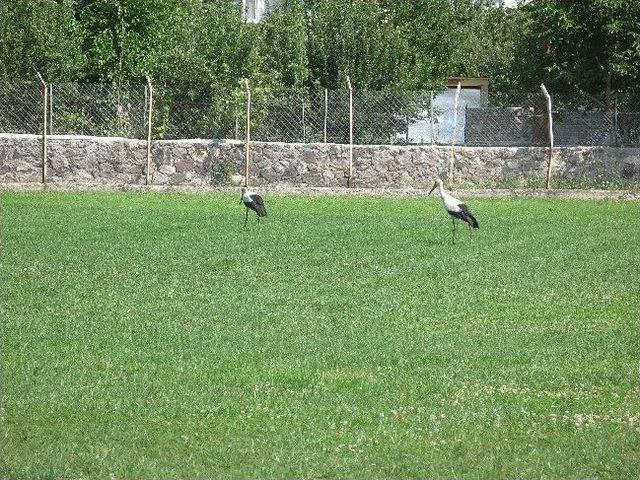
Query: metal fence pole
{"x": 453, "y": 133}
{"x": 616, "y": 137}
{"x": 326, "y": 110}
{"x": 149, "y": 124}
{"x": 550, "y": 124}
{"x": 248, "y": 134}
{"x": 431, "y": 119}
{"x": 51, "y": 109}
{"x": 146, "y": 105}
{"x": 350, "y": 177}
{"x": 45, "y": 116}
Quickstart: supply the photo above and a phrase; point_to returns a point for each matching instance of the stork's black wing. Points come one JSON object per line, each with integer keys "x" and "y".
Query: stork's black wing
{"x": 258, "y": 205}
{"x": 468, "y": 216}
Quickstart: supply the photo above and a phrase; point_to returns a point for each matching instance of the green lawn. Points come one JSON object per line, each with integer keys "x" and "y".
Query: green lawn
{"x": 150, "y": 336}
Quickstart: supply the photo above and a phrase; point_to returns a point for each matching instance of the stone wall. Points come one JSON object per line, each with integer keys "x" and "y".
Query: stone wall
{"x": 119, "y": 161}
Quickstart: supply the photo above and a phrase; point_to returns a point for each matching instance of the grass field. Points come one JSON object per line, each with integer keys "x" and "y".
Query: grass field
{"x": 149, "y": 336}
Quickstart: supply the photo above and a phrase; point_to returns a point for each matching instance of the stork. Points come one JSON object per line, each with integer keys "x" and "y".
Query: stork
{"x": 254, "y": 202}
{"x": 455, "y": 208}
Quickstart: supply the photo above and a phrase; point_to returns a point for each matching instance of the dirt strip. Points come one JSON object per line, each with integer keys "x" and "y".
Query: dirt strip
{"x": 286, "y": 190}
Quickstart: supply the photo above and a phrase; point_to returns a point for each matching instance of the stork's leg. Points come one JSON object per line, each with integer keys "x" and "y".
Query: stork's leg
{"x": 470, "y": 234}
{"x": 246, "y": 217}
{"x": 453, "y": 220}
{"x": 258, "y": 219}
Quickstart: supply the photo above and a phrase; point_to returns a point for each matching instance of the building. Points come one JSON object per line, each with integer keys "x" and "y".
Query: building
{"x": 254, "y": 10}
{"x": 509, "y": 3}
{"x": 436, "y": 124}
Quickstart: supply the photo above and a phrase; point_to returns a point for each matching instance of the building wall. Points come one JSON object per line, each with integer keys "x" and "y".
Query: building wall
{"x": 118, "y": 161}
{"x": 255, "y": 10}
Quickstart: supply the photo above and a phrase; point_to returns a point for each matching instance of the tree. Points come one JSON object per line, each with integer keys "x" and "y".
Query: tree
{"x": 428, "y": 37}
{"x": 486, "y": 42}
{"x": 591, "y": 47}
{"x": 354, "y": 38}
{"x": 40, "y": 36}
{"x": 210, "y": 52}
{"x": 123, "y": 39}
{"x": 285, "y": 43}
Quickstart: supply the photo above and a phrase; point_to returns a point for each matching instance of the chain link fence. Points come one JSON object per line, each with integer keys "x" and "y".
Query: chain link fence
{"x": 380, "y": 117}
{"x": 20, "y": 107}
{"x": 97, "y": 110}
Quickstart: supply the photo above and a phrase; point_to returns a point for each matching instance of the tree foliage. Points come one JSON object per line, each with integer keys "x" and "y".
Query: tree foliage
{"x": 285, "y": 44}
{"x": 205, "y": 48}
{"x": 581, "y": 46}
{"x": 40, "y": 36}
{"x": 486, "y": 46}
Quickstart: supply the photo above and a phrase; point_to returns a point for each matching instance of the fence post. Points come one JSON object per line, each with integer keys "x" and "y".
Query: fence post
{"x": 616, "y": 137}
{"x": 248, "y": 134}
{"x": 45, "y": 118}
{"x": 453, "y": 133}
{"x": 550, "y": 123}
{"x": 326, "y": 110}
{"x": 431, "y": 119}
{"x": 149, "y": 124}
{"x": 51, "y": 109}
{"x": 350, "y": 177}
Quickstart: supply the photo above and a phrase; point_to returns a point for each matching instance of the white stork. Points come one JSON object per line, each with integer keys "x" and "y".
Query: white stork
{"x": 455, "y": 208}
{"x": 254, "y": 202}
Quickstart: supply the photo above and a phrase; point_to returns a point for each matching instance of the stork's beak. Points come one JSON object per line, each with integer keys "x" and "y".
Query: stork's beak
{"x": 433, "y": 188}
{"x": 240, "y": 199}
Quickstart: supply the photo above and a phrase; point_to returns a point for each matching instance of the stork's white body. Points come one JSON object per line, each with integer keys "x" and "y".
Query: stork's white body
{"x": 451, "y": 203}
{"x": 252, "y": 201}
{"x": 246, "y": 196}
{"x": 455, "y": 208}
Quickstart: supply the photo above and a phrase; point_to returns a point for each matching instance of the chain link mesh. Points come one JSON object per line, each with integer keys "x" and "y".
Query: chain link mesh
{"x": 20, "y": 107}
{"x": 97, "y": 109}
{"x": 380, "y": 117}
{"x": 301, "y": 116}
{"x": 627, "y": 120}
{"x": 185, "y": 115}
{"x": 511, "y": 124}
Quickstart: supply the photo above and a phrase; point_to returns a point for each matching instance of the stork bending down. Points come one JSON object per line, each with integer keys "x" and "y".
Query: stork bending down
{"x": 254, "y": 202}
{"x": 455, "y": 208}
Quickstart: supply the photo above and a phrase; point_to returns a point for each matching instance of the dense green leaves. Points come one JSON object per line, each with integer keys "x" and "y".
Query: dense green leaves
{"x": 40, "y": 36}
{"x": 592, "y": 47}
{"x": 486, "y": 46}
{"x": 205, "y": 49}
{"x": 357, "y": 39}
{"x": 285, "y": 44}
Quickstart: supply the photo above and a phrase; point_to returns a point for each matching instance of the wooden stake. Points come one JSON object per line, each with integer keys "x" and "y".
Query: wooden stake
{"x": 550, "y": 122}
{"x": 248, "y": 140}
{"x": 326, "y": 109}
{"x": 453, "y": 133}
{"x": 431, "y": 119}
{"x": 350, "y": 177}
{"x": 51, "y": 109}
{"x": 149, "y": 124}
{"x": 45, "y": 118}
